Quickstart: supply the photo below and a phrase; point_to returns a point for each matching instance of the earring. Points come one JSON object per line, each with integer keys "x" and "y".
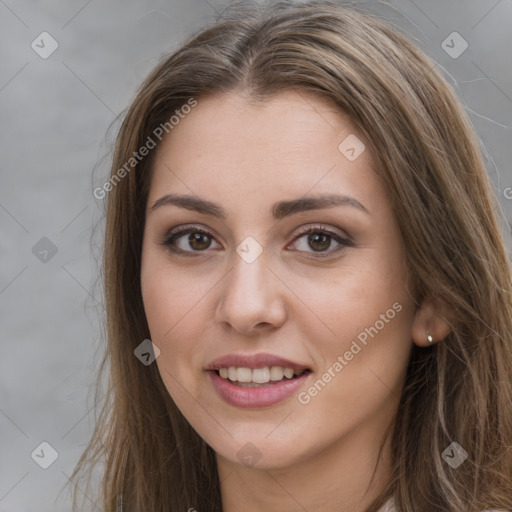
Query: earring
{"x": 429, "y": 337}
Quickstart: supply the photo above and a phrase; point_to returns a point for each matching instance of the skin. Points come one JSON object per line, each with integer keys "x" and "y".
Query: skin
{"x": 317, "y": 456}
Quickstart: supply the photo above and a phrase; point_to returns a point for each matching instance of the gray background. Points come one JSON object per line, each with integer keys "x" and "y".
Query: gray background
{"x": 55, "y": 113}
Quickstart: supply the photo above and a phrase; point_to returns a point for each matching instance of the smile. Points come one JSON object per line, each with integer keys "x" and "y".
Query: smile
{"x": 247, "y": 376}
{"x": 255, "y": 381}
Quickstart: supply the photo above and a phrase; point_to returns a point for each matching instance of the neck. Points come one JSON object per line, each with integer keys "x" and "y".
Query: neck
{"x": 338, "y": 479}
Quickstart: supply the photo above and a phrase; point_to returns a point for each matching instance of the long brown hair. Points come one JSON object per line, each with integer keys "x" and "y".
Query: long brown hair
{"x": 459, "y": 390}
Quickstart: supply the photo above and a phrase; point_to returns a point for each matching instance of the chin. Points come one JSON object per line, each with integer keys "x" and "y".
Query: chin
{"x": 261, "y": 454}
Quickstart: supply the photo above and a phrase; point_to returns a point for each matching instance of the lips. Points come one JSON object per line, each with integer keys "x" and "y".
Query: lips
{"x": 258, "y": 380}
{"x": 255, "y": 361}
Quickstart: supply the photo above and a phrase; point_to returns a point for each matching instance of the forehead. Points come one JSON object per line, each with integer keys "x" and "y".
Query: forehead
{"x": 288, "y": 145}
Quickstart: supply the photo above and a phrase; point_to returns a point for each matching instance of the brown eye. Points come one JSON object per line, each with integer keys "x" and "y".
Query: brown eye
{"x": 197, "y": 240}
{"x": 318, "y": 240}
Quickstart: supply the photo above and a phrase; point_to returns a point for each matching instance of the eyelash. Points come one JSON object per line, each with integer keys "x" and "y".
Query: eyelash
{"x": 170, "y": 239}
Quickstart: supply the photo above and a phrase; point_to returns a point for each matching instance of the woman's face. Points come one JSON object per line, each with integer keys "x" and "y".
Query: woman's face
{"x": 274, "y": 343}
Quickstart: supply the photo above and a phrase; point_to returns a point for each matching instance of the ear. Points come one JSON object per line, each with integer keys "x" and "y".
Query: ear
{"x": 428, "y": 320}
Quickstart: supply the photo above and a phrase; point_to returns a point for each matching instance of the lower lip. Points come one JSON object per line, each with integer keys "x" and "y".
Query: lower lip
{"x": 263, "y": 396}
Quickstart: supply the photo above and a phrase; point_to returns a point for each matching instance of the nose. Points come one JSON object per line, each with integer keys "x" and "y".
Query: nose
{"x": 252, "y": 298}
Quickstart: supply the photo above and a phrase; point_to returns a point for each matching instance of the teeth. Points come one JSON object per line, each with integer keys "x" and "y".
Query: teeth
{"x": 244, "y": 374}
{"x": 232, "y": 374}
{"x": 257, "y": 375}
{"x": 261, "y": 375}
{"x": 288, "y": 373}
{"x": 276, "y": 373}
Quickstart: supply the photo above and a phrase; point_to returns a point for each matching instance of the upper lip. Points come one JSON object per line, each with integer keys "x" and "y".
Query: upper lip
{"x": 254, "y": 361}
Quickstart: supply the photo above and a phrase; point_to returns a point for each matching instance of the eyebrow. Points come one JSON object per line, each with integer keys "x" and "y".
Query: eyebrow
{"x": 279, "y": 210}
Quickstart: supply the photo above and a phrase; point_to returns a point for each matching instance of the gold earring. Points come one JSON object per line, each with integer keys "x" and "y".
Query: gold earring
{"x": 429, "y": 337}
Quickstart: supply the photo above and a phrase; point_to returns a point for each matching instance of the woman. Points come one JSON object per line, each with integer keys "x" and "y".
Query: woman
{"x": 300, "y": 221}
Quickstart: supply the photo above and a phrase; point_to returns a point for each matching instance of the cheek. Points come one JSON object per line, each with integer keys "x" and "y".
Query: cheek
{"x": 166, "y": 312}
{"x": 361, "y": 326}
{"x": 354, "y": 297}
{"x": 176, "y": 310}
{"x": 362, "y": 365}
{"x": 172, "y": 298}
